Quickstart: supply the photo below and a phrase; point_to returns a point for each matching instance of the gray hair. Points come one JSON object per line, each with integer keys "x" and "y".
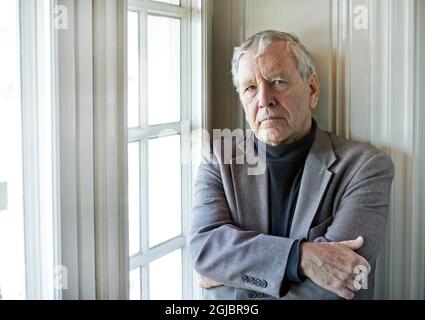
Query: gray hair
{"x": 262, "y": 40}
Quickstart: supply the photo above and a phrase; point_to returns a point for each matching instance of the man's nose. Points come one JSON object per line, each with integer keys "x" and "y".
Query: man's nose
{"x": 266, "y": 98}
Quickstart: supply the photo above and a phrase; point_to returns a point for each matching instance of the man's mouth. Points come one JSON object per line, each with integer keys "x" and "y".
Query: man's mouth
{"x": 269, "y": 119}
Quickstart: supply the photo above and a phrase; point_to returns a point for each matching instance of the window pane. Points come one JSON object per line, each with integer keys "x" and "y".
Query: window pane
{"x": 12, "y": 248}
{"x": 164, "y": 189}
{"x": 133, "y": 70}
{"x": 175, "y": 2}
{"x": 165, "y": 277}
{"x": 164, "y": 70}
{"x": 135, "y": 284}
{"x": 134, "y": 197}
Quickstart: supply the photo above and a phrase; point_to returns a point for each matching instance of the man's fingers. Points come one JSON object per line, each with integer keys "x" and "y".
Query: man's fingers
{"x": 206, "y": 283}
{"x": 200, "y": 282}
{"x": 340, "y": 269}
{"x": 354, "y": 285}
{"x": 346, "y": 294}
{"x": 363, "y": 266}
{"x": 203, "y": 283}
{"x": 354, "y": 244}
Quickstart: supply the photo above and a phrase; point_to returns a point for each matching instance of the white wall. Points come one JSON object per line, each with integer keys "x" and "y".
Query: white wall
{"x": 371, "y": 90}
{"x": 311, "y": 22}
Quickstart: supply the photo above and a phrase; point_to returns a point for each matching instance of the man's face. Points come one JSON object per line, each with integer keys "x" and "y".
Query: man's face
{"x": 276, "y": 100}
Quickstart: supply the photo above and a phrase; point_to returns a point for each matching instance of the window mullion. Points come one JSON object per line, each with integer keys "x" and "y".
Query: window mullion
{"x": 144, "y": 214}
{"x": 159, "y": 8}
{"x": 143, "y": 54}
{"x": 157, "y": 252}
{"x": 186, "y": 105}
{"x": 136, "y": 134}
{"x": 144, "y": 179}
{"x": 145, "y": 281}
{"x": 187, "y": 274}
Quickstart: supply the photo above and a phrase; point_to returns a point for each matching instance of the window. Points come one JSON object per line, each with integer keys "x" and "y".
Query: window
{"x": 159, "y": 106}
{"x": 61, "y": 62}
{"x": 12, "y": 246}
{"x": 26, "y": 141}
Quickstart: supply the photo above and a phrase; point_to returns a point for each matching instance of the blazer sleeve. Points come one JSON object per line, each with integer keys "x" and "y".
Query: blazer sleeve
{"x": 362, "y": 211}
{"x": 221, "y": 250}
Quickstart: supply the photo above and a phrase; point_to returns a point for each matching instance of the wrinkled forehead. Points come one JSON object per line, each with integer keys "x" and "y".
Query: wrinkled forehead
{"x": 275, "y": 57}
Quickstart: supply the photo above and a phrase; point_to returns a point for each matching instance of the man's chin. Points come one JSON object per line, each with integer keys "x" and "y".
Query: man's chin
{"x": 271, "y": 136}
{"x": 272, "y": 142}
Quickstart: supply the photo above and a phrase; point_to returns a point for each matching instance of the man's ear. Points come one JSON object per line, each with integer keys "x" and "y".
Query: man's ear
{"x": 314, "y": 86}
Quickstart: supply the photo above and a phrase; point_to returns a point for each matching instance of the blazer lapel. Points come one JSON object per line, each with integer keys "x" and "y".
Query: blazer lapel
{"x": 314, "y": 183}
{"x": 251, "y": 190}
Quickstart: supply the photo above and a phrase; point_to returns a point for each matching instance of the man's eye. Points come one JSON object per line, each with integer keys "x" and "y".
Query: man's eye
{"x": 250, "y": 88}
{"x": 279, "y": 82}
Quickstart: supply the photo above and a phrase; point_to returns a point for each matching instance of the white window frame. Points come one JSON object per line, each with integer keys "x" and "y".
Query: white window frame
{"x": 191, "y": 41}
{"x": 39, "y": 150}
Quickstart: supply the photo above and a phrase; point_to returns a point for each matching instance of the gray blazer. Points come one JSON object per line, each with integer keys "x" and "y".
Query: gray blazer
{"x": 344, "y": 193}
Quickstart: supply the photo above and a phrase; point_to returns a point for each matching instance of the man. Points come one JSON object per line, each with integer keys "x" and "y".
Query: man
{"x": 312, "y": 225}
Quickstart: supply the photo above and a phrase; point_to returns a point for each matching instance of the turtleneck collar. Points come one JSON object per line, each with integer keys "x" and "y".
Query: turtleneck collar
{"x": 292, "y": 152}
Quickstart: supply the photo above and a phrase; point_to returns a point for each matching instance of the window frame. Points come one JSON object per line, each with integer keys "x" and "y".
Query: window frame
{"x": 144, "y": 133}
{"x": 39, "y": 149}
{"x": 42, "y": 239}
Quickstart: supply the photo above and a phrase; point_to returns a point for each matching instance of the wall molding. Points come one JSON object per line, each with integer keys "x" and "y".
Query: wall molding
{"x": 92, "y": 86}
{"x": 75, "y": 101}
{"x": 374, "y": 94}
{"x": 110, "y": 155}
{"x": 399, "y": 142}
{"x": 340, "y": 22}
{"x": 418, "y": 235}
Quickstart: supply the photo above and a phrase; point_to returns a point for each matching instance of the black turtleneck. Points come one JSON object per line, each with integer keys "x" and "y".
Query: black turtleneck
{"x": 285, "y": 165}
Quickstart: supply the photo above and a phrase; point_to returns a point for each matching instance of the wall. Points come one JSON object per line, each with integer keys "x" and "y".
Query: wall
{"x": 234, "y": 20}
{"x": 371, "y": 90}
{"x": 228, "y": 31}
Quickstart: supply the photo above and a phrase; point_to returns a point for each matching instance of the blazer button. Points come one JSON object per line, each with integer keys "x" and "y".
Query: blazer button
{"x": 257, "y": 282}
{"x": 264, "y": 284}
{"x": 245, "y": 278}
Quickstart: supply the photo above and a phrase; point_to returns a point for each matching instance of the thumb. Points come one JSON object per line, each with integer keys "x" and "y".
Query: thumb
{"x": 354, "y": 244}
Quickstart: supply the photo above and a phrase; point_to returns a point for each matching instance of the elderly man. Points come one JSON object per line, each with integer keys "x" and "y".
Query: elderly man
{"x": 312, "y": 225}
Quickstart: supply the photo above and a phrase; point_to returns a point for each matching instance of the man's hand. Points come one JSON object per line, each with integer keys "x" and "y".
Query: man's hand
{"x": 331, "y": 265}
{"x": 206, "y": 283}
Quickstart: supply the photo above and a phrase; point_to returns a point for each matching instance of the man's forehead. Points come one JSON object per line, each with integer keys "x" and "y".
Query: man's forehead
{"x": 275, "y": 59}
{"x": 278, "y": 49}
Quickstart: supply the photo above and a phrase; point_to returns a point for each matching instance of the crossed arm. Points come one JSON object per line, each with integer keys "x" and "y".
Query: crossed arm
{"x": 328, "y": 261}
{"x": 329, "y": 265}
